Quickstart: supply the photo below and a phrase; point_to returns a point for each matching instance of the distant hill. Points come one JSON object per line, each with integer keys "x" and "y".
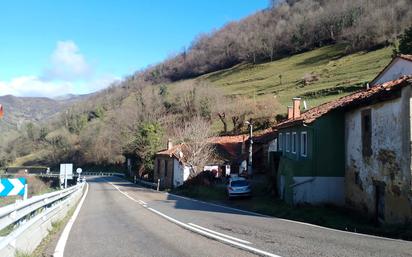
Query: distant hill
{"x": 21, "y": 110}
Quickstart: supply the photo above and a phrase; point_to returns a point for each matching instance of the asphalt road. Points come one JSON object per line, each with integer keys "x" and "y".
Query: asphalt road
{"x": 122, "y": 219}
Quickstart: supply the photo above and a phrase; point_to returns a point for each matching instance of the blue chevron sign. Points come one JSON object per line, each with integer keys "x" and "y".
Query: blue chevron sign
{"x": 12, "y": 186}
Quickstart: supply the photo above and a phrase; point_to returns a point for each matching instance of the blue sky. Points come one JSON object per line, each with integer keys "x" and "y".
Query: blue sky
{"x": 49, "y": 47}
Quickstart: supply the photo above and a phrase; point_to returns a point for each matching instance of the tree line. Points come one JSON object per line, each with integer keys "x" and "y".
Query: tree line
{"x": 286, "y": 28}
{"x": 135, "y": 120}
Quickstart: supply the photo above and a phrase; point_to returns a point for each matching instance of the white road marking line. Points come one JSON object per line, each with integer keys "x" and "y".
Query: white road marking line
{"x": 203, "y": 232}
{"x": 220, "y": 234}
{"x": 289, "y": 221}
{"x": 61, "y": 244}
{"x": 143, "y": 202}
{"x": 272, "y": 217}
{"x": 216, "y": 237}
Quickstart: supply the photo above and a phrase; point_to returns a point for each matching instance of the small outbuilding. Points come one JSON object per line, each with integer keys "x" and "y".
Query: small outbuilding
{"x": 170, "y": 166}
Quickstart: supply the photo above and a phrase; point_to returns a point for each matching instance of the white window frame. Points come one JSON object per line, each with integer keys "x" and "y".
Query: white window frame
{"x": 294, "y": 142}
{"x": 304, "y": 146}
{"x": 280, "y": 142}
{"x": 287, "y": 142}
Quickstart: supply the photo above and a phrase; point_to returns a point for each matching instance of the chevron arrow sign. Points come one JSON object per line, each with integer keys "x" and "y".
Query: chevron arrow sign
{"x": 12, "y": 186}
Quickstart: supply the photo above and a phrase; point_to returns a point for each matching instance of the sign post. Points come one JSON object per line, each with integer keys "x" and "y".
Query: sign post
{"x": 66, "y": 172}
{"x": 79, "y": 171}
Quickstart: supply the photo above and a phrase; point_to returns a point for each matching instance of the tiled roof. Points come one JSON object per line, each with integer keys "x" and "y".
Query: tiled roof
{"x": 226, "y": 148}
{"x": 265, "y": 136}
{"x": 229, "y": 147}
{"x": 382, "y": 90}
{"x": 176, "y": 151}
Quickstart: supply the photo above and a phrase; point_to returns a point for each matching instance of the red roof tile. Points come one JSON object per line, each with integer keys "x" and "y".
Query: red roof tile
{"x": 349, "y": 100}
{"x": 177, "y": 151}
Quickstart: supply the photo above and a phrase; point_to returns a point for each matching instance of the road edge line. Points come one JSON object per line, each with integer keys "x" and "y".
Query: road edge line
{"x": 213, "y": 236}
{"x": 61, "y": 244}
{"x": 277, "y": 218}
{"x": 220, "y": 234}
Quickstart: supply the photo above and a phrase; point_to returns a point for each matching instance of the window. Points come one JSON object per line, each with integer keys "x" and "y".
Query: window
{"x": 280, "y": 142}
{"x": 287, "y": 142}
{"x": 304, "y": 144}
{"x": 294, "y": 142}
{"x": 165, "y": 163}
{"x": 366, "y": 132}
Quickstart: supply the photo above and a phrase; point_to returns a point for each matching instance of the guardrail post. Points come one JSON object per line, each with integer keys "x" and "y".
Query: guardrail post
{"x": 158, "y": 184}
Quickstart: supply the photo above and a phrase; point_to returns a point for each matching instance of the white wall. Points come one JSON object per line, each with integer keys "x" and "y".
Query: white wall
{"x": 386, "y": 134}
{"x": 319, "y": 190}
{"x": 391, "y": 156}
{"x": 180, "y": 173}
{"x": 398, "y": 68}
{"x": 177, "y": 173}
{"x": 186, "y": 173}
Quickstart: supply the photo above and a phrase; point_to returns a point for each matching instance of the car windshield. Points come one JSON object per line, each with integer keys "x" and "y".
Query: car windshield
{"x": 239, "y": 183}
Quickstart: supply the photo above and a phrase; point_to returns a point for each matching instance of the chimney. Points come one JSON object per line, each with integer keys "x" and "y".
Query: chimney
{"x": 169, "y": 144}
{"x": 290, "y": 112}
{"x": 296, "y": 108}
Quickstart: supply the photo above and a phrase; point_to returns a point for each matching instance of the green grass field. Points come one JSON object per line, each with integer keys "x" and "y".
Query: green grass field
{"x": 334, "y": 73}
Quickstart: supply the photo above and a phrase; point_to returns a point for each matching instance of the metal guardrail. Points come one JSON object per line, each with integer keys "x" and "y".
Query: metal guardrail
{"x": 29, "y": 217}
{"x": 13, "y": 212}
{"x": 104, "y": 174}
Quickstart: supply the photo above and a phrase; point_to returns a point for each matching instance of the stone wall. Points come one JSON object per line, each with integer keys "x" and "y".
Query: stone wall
{"x": 386, "y": 173}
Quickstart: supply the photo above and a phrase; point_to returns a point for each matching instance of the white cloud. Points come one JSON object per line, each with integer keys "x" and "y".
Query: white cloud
{"x": 67, "y": 63}
{"x": 68, "y": 73}
{"x": 33, "y": 86}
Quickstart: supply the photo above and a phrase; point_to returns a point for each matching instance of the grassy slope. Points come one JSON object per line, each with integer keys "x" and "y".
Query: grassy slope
{"x": 329, "y": 63}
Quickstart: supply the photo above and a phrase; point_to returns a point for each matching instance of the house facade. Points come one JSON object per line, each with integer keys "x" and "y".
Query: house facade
{"x": 170, "y": 168}
{"x": 398, "y": 67}
{"x": 354, "y": 151}
{"x": 311, "y": 166}
{"x": 378, "y": 154}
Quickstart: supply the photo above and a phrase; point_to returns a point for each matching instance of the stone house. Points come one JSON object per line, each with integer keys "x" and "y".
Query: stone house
{"x": 170, "y": 167}
{"x": 378, "y": 152}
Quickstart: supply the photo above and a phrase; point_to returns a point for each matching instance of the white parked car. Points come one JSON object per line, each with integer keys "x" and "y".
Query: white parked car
{"x": 237, "y": 187}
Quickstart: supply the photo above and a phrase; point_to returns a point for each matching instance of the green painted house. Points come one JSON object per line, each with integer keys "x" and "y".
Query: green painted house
{"x": 312, "y": 163}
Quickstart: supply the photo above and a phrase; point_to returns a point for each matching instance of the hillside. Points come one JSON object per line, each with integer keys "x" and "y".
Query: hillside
{"x": 21, "y": 110}
{"x": 329, "y": 74}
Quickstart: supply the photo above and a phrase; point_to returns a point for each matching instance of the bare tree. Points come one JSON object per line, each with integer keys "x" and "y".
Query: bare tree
{"x": 194, "y": 137}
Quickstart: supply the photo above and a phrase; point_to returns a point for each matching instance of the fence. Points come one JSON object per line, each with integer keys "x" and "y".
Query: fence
{"x": 29, "y": 221}
{"x": 153, "y": 185}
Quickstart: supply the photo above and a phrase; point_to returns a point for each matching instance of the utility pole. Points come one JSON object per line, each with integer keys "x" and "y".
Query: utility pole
{"x": 250, "y": 163}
